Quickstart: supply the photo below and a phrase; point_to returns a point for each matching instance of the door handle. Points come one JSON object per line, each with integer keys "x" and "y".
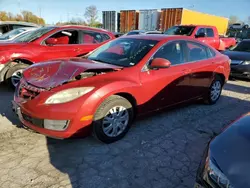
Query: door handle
{"x": 77, "y": 49}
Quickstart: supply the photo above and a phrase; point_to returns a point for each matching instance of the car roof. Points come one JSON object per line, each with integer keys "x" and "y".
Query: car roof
{"x": 191, "y": 25}
{"x": 83, "y": 27}
{"x": 158, "y": 37}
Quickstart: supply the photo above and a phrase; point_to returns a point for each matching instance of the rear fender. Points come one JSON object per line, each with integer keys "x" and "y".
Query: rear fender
{"x": 222, "y": 46}
{"x": 221, "y": 70}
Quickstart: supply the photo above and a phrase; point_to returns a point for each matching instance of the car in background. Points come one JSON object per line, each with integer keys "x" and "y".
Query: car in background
{"x": 206, "y": 34}
{"x": 117, "y": 34}
{"x": 47, "y": 43}
{"x": 128, "y": 76}
{"x": 239, "y": 33}
{"x": 135, "y": 32}
{"x": 6, "y": 26}
{"x": 15, "y": 33}
{"x": 226, "y": 160}
{"x": 142, "y": 32}
{"x": 240, "y": 59}
{"x": 153, "y": 32}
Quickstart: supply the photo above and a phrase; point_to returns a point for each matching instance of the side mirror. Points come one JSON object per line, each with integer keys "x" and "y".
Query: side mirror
{"x": 51, "y": 41}
{"x": 159, "y": 63}
{"x": 200, "y": 35}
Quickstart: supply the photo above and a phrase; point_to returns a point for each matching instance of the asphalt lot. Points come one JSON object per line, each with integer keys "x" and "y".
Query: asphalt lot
{"x": 163, "y": 150}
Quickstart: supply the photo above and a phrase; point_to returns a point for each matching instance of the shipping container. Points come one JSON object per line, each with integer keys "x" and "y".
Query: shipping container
{"x": 128, "y": 20}
{"x": 149, "y": 19}
{"x": 181, "y": 16}
{"x": 109, "y": 20}
{"x": 118, "y": 21}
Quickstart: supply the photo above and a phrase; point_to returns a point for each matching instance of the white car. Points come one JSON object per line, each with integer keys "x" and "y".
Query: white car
{"x": 11, "y": 35}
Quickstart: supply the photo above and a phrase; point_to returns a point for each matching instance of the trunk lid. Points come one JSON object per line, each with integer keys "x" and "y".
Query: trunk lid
{"x": 57, "y": 72}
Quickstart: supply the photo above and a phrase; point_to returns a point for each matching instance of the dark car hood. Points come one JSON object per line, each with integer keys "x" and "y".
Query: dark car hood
{"x": 11, "y": 45}
{"x": 236, "y": 55}
{"x": 231, "y": 152}
{"x": 54, "y": 73}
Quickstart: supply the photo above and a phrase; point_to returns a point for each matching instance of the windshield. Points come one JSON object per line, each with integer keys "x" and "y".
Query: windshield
{"x": 243, "y": 46}
{"x": 33, "y": 35}
{"x": 123, "y": 52}
{"x": 180, "y": 30}
{"x": 11, "y": 34}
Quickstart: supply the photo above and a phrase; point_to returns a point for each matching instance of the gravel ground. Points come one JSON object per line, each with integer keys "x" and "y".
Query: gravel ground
{"x": 163, "y": 150}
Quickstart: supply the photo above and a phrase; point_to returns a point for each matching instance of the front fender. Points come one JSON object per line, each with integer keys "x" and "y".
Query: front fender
{"x": 113, "y": 88}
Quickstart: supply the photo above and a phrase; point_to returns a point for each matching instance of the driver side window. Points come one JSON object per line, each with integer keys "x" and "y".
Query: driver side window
{"x": 63, "y": 38}
{"x": 200, "y": 31}
{"x": 172, "y": 52}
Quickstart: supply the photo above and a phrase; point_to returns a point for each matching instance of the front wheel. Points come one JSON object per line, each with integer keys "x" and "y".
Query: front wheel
{"x": 214, "y": 91}
{"x": 14, "y": 74}
{"x": 112, "y": 119}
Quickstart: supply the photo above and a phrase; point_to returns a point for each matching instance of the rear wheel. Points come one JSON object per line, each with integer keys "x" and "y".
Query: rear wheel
{"x": 14, "y": 74}
{"x": 112, "y": 119}
{"x": 214, "y": 91}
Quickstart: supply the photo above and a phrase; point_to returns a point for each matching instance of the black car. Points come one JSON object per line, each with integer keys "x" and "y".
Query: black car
{"x": 240, "y": 59}
{"x": 226, "y": 163}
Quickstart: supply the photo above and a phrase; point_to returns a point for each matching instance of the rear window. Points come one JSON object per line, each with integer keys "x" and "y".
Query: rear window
{"x": 210, "y": 32}
{"x": 180, "y": 30}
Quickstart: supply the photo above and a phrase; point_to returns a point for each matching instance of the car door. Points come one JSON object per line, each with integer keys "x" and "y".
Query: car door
{"x": 63, "y": 43}
{"x": 211, "y": 38}
{"x": 201, "y": 60}
{"x": 90, "y": 40}
{"x": 166, "y": 86}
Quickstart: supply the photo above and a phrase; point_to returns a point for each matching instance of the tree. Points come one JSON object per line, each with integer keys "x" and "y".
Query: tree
{"x": 11, "y": 17}
{"x": 73, "y": 21}
{"x": 18, "y": 17}
{"x": 3, "y": 16}
{"x": 233, "y": 19}
{"x": 30, "y": 17}
{"x": 91, "y": 15}
{"x": 26, "y": 16}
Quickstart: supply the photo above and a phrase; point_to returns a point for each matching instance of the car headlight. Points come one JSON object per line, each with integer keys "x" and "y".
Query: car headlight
{"x": 217, "y": 176}
{"x": 68, "y": 95}
{"x": 213, "y": 175}
{"x": 246, "y": 63}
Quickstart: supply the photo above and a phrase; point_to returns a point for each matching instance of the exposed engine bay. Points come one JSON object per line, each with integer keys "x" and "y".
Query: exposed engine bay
{"x": 91, "y": 73}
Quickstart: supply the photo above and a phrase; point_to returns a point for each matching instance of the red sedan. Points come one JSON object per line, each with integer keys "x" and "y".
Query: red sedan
{"x": 132, "y": 75}
{"x": 47, "y": 43}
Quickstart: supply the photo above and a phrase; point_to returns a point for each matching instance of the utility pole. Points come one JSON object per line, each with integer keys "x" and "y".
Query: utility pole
{"x": 19, "y": 7}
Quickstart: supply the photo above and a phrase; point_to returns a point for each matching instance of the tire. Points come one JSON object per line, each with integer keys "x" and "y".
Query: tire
{"x": 13, "y": 70}
{"x": 210, "y": 98}
{"x": 103, "y": 116}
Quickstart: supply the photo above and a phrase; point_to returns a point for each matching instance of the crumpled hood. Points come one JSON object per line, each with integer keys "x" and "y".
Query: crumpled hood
{"x": 10, "y": 46}
{"x": 231, "y": 152}
{"x": 54, "y": 73}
